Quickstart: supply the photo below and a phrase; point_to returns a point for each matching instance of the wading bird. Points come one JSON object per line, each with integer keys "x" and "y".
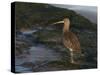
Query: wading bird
{"x": 70, "y": 40}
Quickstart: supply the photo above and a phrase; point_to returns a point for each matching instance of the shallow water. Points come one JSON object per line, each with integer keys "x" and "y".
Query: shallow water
{"x": 38, "y": 54}
{"x": 43, "y": 54}
{"x": 29, "y": 32}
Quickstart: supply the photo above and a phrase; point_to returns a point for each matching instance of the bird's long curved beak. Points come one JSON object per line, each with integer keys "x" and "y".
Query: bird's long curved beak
{"x": 58, "y": 22}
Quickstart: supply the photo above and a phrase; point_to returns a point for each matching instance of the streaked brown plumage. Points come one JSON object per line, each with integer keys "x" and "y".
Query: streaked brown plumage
{"x": 70, "y": 40}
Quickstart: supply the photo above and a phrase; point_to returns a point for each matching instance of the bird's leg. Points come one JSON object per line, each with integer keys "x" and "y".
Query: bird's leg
{"x": 76, "y": 58}
{"x": 71, "y": 56}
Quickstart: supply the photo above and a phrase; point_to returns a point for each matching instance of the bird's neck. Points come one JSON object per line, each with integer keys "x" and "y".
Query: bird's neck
{"x": 66, "y": 27}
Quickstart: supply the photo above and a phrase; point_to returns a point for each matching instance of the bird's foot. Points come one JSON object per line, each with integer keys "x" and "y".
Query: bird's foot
{"x": 74, "y": 62}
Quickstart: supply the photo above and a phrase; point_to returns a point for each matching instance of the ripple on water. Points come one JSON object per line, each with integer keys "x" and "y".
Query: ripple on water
{"x": 38, "y": 54}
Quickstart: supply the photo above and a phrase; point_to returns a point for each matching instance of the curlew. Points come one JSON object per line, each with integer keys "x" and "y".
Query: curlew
{"x": 70, "y": 41}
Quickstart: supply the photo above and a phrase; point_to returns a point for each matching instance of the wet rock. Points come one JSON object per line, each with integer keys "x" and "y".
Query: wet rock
{"x": 20, "y": 69}
{"x": 28, "y": 64}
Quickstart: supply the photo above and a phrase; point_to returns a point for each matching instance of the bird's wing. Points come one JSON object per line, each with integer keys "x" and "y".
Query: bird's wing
{"x": 71, "y": 41}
